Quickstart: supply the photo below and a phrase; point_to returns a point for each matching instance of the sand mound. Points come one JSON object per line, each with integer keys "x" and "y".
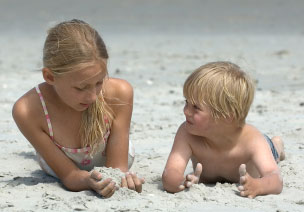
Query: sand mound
{"x": 114, "y": 174}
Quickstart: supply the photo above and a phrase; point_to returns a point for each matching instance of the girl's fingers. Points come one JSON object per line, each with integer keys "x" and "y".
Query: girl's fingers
{"x": 108, "y": 190}
{"x": 124, "y": 183}
{"x": 96, "y": 175}
{"x": 99, "y": 186}
{"x": 137, "y": 183}
{"x": 130, "y": 182}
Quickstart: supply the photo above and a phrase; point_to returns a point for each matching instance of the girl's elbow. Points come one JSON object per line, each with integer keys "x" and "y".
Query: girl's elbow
{"x": 70, "y": 186}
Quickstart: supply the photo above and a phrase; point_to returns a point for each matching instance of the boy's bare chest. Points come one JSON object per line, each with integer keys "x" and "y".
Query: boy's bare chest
{"x": 220, "y": 166}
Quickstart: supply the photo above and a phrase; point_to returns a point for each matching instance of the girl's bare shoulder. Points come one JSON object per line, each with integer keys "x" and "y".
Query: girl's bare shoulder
{"x": 118, "y": 90}
{"x": 27, "y": 107}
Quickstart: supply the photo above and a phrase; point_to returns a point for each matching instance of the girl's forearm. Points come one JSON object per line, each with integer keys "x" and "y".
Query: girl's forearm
{"x": 77, "y": 181}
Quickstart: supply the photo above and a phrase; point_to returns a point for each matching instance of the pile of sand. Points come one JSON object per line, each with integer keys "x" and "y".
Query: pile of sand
{"x": 114, "y": 174}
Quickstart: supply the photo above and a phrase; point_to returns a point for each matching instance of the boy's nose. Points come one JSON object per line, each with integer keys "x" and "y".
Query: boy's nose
{"x": 187, "y": 111}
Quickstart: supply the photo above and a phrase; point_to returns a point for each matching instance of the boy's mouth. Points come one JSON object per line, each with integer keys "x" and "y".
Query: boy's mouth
{"x": 188, "y": 121}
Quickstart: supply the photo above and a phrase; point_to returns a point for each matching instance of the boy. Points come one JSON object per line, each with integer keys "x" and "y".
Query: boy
{"x": 222, "y": 147}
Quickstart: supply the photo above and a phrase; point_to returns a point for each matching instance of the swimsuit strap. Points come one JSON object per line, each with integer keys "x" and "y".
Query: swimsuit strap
{"x": 48, "y": 120}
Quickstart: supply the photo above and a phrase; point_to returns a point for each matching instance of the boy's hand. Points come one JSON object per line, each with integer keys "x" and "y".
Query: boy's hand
{"x": 105, "y": 188}
{"x": 248, "y": 185}
{"x": 192, "y": 178}
{"x": 131, "y": 181}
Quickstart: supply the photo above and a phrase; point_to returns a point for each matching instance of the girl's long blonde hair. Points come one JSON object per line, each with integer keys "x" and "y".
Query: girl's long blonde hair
{"x": 72, "y": 46}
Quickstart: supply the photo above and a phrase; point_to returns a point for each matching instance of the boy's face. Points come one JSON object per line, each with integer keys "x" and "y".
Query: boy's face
{"x": 199, "y": 120}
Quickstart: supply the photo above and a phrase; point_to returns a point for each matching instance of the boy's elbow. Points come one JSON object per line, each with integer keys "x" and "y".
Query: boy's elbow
{"x": 169, "y": 184}
{"x": 280, "y": 187}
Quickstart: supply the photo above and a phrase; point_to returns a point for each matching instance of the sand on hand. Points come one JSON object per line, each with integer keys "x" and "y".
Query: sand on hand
{"x": 114, "y": 174}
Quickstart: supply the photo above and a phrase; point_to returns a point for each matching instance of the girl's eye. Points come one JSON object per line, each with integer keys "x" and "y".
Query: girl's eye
{"x": 79, "y": 89}
{"x": 98, "y": 83}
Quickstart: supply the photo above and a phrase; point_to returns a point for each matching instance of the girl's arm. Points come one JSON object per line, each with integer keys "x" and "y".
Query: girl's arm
{"x": 27, "y": 117}
{"x": 119, "y": 96}
{"x": 173, "y": 175}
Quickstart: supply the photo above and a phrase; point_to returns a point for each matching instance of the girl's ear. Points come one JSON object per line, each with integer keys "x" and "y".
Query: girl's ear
{"x": 48, "y": 76}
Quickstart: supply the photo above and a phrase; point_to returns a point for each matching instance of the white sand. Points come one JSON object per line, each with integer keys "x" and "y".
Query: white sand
{"x": 114, "y": 174}
{"x": 157, "y": 65}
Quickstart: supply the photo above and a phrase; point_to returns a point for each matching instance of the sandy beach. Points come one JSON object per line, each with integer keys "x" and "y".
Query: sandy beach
{"x": 155, "y": 45}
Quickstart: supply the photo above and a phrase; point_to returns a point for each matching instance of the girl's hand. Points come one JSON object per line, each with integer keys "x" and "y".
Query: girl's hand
{"x": 192, "y": 178}
{"x": 131, "y": 181}
{"x": 105, "y": 188}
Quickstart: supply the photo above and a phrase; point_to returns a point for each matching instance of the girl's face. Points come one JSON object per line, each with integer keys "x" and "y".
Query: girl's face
{"x": 199, "y": 120}
{"x": 80, "y": 89}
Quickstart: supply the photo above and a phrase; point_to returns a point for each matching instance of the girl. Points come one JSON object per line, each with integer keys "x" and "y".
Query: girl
{"x": 79, "y": 117}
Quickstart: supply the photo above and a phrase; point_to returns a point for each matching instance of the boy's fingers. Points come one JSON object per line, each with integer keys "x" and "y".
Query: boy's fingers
{"x": 189, "y": 177}
{"x": 198, "y": 170}
{"x": 241, "y": 188}
{"x": 188, "y": 184}
{"x": 242, "y": 170}
{"x": 181, "y": 188}
{"x": 242, "y": 180}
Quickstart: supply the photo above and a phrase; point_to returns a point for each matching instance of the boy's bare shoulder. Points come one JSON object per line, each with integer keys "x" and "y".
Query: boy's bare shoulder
{"x": 184, "y": 135}
{"x": 251, "y": 137}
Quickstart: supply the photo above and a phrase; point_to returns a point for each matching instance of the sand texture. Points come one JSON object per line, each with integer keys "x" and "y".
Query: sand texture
{"x": 114, "y": 174}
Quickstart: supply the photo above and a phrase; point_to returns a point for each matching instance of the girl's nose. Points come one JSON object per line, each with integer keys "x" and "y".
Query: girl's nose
{"x": 92, "y": 96}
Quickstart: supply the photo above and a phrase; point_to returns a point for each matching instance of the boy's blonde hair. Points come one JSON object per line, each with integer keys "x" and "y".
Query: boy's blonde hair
{"x": 72, "y": 46}
{"x": 223, "y": 87}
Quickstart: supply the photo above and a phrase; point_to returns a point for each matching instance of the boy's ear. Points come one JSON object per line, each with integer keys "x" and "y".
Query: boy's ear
{"x": 229, "y": 120}
{"x": 48, "y": 76}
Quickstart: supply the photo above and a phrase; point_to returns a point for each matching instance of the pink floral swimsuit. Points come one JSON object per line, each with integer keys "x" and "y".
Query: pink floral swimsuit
{"x": 81, "y": 157}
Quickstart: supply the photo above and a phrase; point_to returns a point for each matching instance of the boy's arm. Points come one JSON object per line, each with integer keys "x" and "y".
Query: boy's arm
{"x": 270, "y": 181}
{"x": 173, "y": 175}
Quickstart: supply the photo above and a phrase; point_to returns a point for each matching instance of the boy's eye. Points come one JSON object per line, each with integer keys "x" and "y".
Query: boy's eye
{"x": 196, "y": 107}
